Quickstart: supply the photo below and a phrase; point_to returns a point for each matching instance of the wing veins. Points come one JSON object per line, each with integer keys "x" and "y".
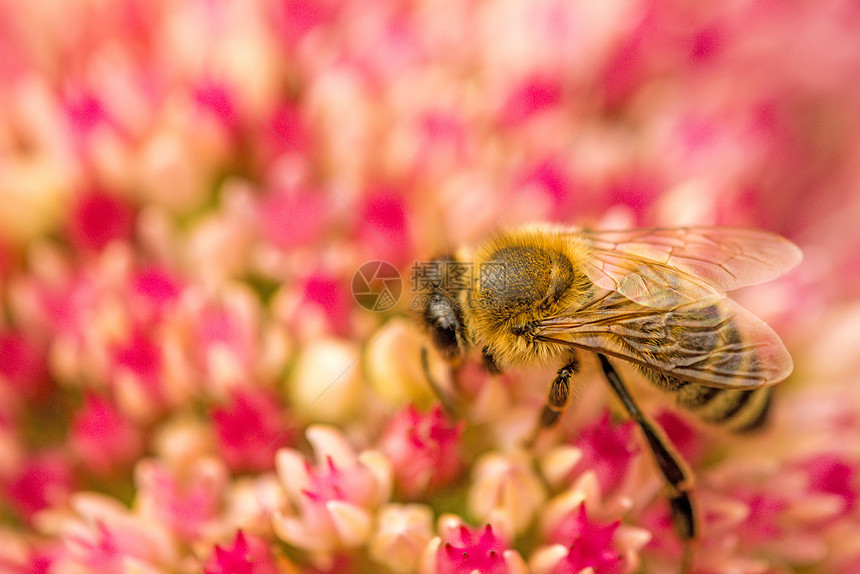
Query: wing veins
{"x": 696, "y": 263}
{"x": 716, "y": 344}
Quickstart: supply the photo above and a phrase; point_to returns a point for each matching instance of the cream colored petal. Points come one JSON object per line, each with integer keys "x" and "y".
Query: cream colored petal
{"x": 379, "y": 465}
{"x": 491, "y": 402}
{"x": 814, "y": 509}
{"x": 801, "y": 549}
{"x": 136, "y": 566}
{"x": 725, "y": 513}
{"x": 558, "y": 463}
{"x": 96, "y": 507}
{"x": 447, "y": 525}
{"x": 393, "y": 369}
{"x": 402, "y": 534}
{"x": 292, "y": 472}
{"x": 502, "y": 522}
{"x": 515, "y": 562}
{"x": 585, "y": 490}
{"x": 506, "y": 490}
{"x": 252, "y": 500}
{"x": 328, "y": 442}
{"x": 295, "y": 533}
{"x": 632, "y": 537}
{"x": 327, "y": 383}
{"x": 544, "y": 560}
{"x": 428, "y": 558}
{"x": 351, "y": 522}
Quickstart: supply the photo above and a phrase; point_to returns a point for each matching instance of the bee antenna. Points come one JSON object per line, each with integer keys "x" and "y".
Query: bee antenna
{"x": 688, "y": 556}
{"x": 444, "y": 398}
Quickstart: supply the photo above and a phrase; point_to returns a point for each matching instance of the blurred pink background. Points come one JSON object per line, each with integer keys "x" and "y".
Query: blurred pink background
{"x": 188, "y": 186}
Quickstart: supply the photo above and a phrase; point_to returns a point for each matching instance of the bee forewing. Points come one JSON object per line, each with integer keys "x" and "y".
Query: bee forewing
{"x": 719, "y": 344}
{"x": 663, "y": 267}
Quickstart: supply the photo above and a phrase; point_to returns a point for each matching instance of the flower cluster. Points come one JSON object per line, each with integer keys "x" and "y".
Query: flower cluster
{"x": 187, "y": 189}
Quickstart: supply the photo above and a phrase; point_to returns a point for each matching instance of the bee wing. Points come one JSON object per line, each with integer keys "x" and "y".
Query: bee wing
{"x": 719, "y": 344}
{"x": 664, "y": 267}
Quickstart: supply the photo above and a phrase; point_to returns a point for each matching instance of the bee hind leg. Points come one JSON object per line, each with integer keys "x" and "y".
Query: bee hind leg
{"x": 678, "y": 478}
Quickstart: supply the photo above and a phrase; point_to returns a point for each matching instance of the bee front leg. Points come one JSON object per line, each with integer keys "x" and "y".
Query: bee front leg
{"x": 678, "y": 478}
{"x": 490, "y": 361}
{"x": 449, "y": 402}
{"x": 445, "y": 399}
{"x": 559, "y": 393}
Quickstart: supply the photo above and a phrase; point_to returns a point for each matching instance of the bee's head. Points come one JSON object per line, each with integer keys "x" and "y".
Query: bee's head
{"x": 444, "y": 321}
{"x": 443, "y": 313}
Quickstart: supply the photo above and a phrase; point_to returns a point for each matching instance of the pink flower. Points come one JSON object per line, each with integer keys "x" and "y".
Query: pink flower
{"x": 138, "y": 370}
{"x": 105, "y": 440}
{"x": 834, "y": 475}
{"x": 441, "y": 141}
{"x": 423, "y": 449}
{"x": 463, "y": 550}
{"x": 217, "y": 99}
{"x": 589, "y": 544}
{"x": 102, "y": 536}
{"x": 684, "y": 437}
{"x": 38, "y": 562}
{"x": 225, "y": 331}
{"x": 564, "y": 192}
{"x": 188, "y": 502}
{"x": 604, "y": 447}
{"x": 44, "y": 481}
{"x": 155, "y": 292}
{"x": 85, "y": 112}
{"x": 582, "y": 531}
{"x": 384, "y": 227}
{"x": 401, "y": 535}
{"x": 289, "y": 131}
{"x": 251, "y": 429}
{"x": 531, "y": 96}
{"x": 330, "y": 296}
{"x": 506, "y": 491}
{"x": 336, "y": 497}
{"x": 298, "y": 17}
{"x": 98, "y": 219}
{"x": 754, "y": 510}
{"x": 294, "y": 218}
{"x": 22, "y": 366}
{"x": 248, "y": 555}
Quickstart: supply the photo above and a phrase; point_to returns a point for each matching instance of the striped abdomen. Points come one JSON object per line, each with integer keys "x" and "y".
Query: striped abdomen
{"x": 736, "y": 410}
{"x": 704, "y": 332}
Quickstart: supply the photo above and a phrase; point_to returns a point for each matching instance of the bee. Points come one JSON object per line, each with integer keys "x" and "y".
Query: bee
{"x": 655, "y": 298}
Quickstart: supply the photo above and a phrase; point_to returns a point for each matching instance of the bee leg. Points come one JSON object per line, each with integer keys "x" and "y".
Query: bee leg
{"x": 678, "y": 479}
{"x": 448, "y": 403}
{"x": 559, "y": 392}
{"x": 490, "y": 361}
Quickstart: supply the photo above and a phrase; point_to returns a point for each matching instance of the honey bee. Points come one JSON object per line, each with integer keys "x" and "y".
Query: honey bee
{"x": 655, "y": 298}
